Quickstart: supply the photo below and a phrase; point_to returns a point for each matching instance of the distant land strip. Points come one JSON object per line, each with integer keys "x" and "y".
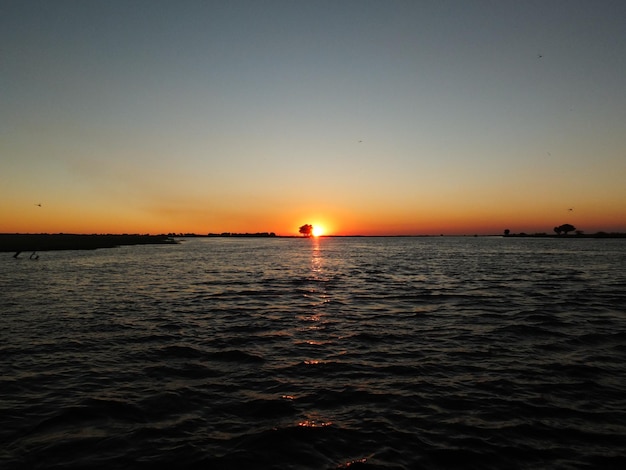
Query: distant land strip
{"x": 18, "y": 242}
{"x": 27, "y": 242}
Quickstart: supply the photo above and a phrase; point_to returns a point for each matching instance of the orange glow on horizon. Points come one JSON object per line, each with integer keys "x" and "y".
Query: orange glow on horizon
{"x": 62, "y": 217}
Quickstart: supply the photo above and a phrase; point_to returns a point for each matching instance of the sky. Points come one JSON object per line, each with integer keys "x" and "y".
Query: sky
{"x": 359, "y": 117}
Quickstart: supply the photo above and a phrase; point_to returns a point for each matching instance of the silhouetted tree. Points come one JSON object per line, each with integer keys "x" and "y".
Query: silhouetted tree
{"x": 506, "y": 232}
{"x": 306, "y": 230}
{"x": 563, "y": 229}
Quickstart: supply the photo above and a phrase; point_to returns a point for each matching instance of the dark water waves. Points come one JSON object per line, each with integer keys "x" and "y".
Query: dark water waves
{"x": 437, "y": 353}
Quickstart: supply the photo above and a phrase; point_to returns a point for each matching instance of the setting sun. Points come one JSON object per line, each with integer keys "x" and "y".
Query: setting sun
{"x": 317, "y": 231}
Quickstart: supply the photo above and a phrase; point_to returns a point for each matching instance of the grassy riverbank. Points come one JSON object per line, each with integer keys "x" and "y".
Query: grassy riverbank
{"x": 18, "y": 242}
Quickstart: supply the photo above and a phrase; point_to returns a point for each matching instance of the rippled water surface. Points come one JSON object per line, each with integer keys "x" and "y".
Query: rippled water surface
{"x": 325, "y": 353}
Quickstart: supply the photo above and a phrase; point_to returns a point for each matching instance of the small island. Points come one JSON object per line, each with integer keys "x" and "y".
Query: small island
{"x": 561, "y": 231}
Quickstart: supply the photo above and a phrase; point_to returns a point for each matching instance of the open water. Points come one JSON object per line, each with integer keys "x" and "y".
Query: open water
{"x": 375, "y": 353}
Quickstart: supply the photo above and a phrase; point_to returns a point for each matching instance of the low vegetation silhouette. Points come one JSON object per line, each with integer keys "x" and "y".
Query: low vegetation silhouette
{"x": 564, "y": 229}
{"x": 19, "y": 243}
{"x": 237, "y": 235}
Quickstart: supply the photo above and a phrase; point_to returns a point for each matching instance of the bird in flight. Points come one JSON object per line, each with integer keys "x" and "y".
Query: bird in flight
{"x": 38, "y": 204}
{"x": 570, "y": 209}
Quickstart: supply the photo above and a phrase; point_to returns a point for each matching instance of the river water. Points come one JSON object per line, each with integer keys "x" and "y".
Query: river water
{"x": 377, "y": 353}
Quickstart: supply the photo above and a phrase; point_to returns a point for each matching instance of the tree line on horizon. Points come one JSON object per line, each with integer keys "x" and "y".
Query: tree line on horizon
{"x": 563, "y": 230}
{"x": 559, "y": 230}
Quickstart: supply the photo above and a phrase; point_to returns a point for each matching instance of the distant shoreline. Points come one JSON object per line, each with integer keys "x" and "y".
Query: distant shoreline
{"x": 511, "y": 235}
{"x": 26, "y": 242}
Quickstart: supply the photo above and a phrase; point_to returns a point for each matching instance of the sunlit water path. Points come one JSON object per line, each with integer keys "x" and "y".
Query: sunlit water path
{"x": 325, "y": 353}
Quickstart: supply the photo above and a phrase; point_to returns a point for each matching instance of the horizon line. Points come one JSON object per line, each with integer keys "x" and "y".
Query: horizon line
{"x": 275, "y": 235}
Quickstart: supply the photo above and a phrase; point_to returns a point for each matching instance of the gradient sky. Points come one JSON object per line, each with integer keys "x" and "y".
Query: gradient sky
{"x": 364, "y": 117}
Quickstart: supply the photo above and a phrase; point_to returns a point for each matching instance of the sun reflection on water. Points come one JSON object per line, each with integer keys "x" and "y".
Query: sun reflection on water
{"x": 311, "y": 423}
